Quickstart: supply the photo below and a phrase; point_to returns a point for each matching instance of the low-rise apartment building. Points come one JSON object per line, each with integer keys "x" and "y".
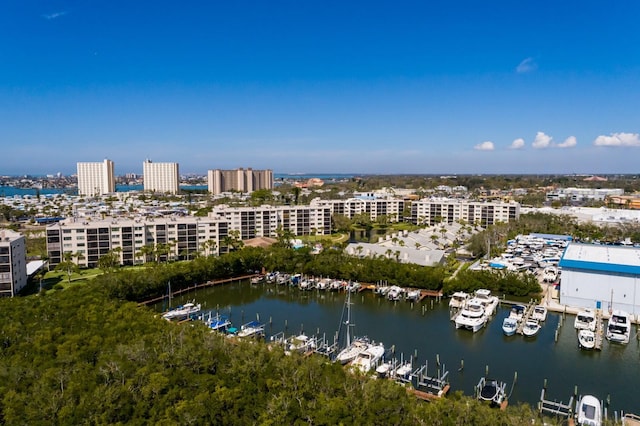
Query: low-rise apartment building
{"x": 264, "y": 221}
{"x": 431, "y": 211}
{"x": 179, "y": 237}
{"x": 13, "y": 263}
{"x": 374, "y": 207}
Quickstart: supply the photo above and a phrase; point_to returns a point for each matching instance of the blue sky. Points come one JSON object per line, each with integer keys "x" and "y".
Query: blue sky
{"x": 321, "y": 86}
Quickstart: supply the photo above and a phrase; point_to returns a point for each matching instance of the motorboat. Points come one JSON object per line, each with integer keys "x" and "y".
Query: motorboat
{"x": 395, "y": 293}
{"x": 257, "y": 279}
{"x": 368, "y": 359}
{"x": 509, "y": 326}
{"x": 251, "y": 329}
{"x": 382, "y": 290}
{"x": 589, "y": 411}
{"x": 585, "y": 320}
{"x": 550, "y": 274}
{"x": 301, "y": 343}
{"x": 323, "y": 284}
{"x": 412, "y": 295}
{"x": 353, "y": 286}
{"x": 307, "y": 284}
{"x": 182, "y": 312}
{"x": 531, "y": 328}
{"x": 336, "y": 285}
{"x": 539, "y": 313}
{"x": 403, "y": 371}
{"x": 619, "y": 327}
{"x": 219, "y": 323}
{"x": 492, "y": 391}
{"x": 384, "y": 369}
{"x": 517, "y": 312}
{"x": 472, "y": 317}
{"x": 489, "y": 302}
{"x": 458, "y": 300}
{"x": 586, "y": 339}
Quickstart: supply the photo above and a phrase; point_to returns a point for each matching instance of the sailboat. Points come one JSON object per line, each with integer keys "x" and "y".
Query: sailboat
{"x": 352, "y": 348}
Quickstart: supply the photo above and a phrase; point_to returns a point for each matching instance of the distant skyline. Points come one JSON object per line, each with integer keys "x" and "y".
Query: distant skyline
{"x": 373, "y": 87}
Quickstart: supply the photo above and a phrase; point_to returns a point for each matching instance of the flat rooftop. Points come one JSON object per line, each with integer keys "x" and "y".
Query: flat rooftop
{"x": 603, "y": 258}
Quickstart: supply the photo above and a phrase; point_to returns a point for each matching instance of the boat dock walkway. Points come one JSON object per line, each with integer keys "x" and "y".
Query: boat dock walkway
{"x": 599, "y": 332}
{"x": 527, "y": 315}
{"x": 196, "y": 287}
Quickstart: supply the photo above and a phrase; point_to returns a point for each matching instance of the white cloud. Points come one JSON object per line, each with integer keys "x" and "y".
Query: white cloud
{"x": 569, "y": 142}
{"x": 618, "y": 139}
{"x": 541, "y": 141}
{"x": 517, "y": 144}
{"x": 54, "y": 15}
{"x": 527, "y": 65}
{"x": 485, "y": 146}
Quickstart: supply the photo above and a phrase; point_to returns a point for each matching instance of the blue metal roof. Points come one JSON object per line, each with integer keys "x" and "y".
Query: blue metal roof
{"x": 601, "y": 258}
{"x": 599, "y": 266}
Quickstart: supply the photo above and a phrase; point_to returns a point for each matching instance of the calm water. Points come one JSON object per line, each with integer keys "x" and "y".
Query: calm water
{"x": 614, "y": 371}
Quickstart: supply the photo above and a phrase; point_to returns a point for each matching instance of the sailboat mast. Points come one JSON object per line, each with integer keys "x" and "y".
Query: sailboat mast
{"x": 348, "y": 323}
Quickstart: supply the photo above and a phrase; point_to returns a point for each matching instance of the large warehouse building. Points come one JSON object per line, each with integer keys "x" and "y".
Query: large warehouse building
{"x": 601, "y": 276}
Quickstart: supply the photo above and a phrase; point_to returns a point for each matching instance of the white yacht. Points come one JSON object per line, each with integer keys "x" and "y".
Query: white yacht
{"x": 368, "y": 359}
{"x": 182, "y": 312}
{"x": 550, "y": 274}
{"x": 352, "y": 350}
{"x": 251, "y": 329}
{"x": 585, "y": 320}
{"x": 531, "y": 328}
{"x": 619, "y": 327}
{"x": 412, "y": 295}
{"x": 509, "y": 326}
{"x": 458, "y": 300}
{"x": 395, "y": 293}
{"x": 589, "y": 411}
{"x": 301, "y": 343}
{"x": 517, "y": 312}
{"x": 489, "y": 302}
{"x": 472, "y": 317}
{"x": 384, "y": 369}
{"x": 586, "y": 339}
{"x": 539, "y": 313}
{"x": 403, "y": 371}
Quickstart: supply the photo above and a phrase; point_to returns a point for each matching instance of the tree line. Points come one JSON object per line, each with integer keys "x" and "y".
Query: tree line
{"x": 81, "y": 356}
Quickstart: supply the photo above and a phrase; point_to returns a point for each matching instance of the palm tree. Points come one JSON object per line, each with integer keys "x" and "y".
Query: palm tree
{"x": 67, "y": 265}
{"x": 209, "y": 246}
{"x": 78, "y": 256}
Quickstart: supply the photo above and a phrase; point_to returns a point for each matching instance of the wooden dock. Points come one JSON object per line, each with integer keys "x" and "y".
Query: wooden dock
{"x": 426, "y": 396}
{"x": 527, "y": 315}
{"x": 429, "y": 293}
{"x": 209, "y": 283}
{"x": 599, "y": 331}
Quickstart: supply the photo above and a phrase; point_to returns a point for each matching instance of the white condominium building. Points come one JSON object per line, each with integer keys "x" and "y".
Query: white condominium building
{"x": 264, "y": 221}
{"x": 242, "y": 180}
{"x": 391, "y": 208}
{"x": 96, "y": 178}
{"x": 161, "y": 177}
{"x": 13, "y": 263}
{"x": 134, "y": 240}
{"x": 431, "y": 211}
{"x": 583, "y": 194}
